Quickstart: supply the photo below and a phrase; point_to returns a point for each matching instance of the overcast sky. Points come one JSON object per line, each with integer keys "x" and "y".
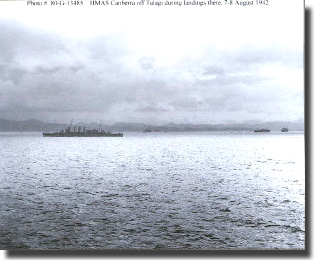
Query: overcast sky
{"x": 152, "y": 65}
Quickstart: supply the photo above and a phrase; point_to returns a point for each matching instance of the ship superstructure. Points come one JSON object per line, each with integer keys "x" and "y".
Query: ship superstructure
{"x": 79, "y": 131}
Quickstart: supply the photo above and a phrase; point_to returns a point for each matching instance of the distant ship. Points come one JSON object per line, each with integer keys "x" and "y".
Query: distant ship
{"x": 263, "y": 130}
{"x": 82, "y": 132}
{"x": 285, "y": 129}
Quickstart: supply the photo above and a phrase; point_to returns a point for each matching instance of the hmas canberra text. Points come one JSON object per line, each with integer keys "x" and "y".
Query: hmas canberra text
{"x": 111, "y": 2}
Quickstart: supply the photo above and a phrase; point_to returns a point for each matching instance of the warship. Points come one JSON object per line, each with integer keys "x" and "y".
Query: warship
{"x": 263, "y": 130}
{"x": 82, "y": 132}
{"x": 285, "y": 130}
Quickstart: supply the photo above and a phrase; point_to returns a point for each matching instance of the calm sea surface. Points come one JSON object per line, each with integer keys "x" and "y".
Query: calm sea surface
{"x": 153, "y": 191}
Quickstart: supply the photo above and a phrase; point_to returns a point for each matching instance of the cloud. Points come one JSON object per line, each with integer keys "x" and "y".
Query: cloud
{"x": 146, "y": 63}
{"x": 45, "y": 75}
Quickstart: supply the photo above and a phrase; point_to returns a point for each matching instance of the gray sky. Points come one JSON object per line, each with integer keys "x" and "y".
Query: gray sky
{"x": 152, "y": 65}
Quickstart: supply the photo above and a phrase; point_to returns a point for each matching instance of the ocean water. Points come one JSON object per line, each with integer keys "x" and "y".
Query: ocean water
{"x": 153, "y": 191}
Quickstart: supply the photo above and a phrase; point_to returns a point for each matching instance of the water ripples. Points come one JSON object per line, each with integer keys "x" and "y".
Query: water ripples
{"x": 174, "y": 191}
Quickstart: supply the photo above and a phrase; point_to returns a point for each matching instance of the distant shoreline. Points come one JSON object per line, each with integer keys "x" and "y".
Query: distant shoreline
{"x": 39, "y": 126}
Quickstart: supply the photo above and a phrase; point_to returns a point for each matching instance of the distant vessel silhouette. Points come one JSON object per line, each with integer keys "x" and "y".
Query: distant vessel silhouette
{"x": 285, "y": 129}
{"x": 82, "y": 132}
{"x": 263, "y": 130}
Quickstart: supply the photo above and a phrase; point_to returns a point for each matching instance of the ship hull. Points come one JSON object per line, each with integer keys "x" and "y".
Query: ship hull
{"x": 262, "y": 131}
{"x": 81, "y": 135}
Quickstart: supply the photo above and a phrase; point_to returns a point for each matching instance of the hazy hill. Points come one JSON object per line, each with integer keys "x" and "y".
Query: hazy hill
{"x": 35, "y": 125}
{"x": 273, "y": 126}
{"x": 28, "y": 125}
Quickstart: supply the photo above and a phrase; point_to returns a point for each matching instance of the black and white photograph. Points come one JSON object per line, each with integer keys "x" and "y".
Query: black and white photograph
{"x": 152, "y": 125}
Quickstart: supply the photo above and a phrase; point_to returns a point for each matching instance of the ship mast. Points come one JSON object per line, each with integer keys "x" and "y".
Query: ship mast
{"x": 99, "y": 127}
